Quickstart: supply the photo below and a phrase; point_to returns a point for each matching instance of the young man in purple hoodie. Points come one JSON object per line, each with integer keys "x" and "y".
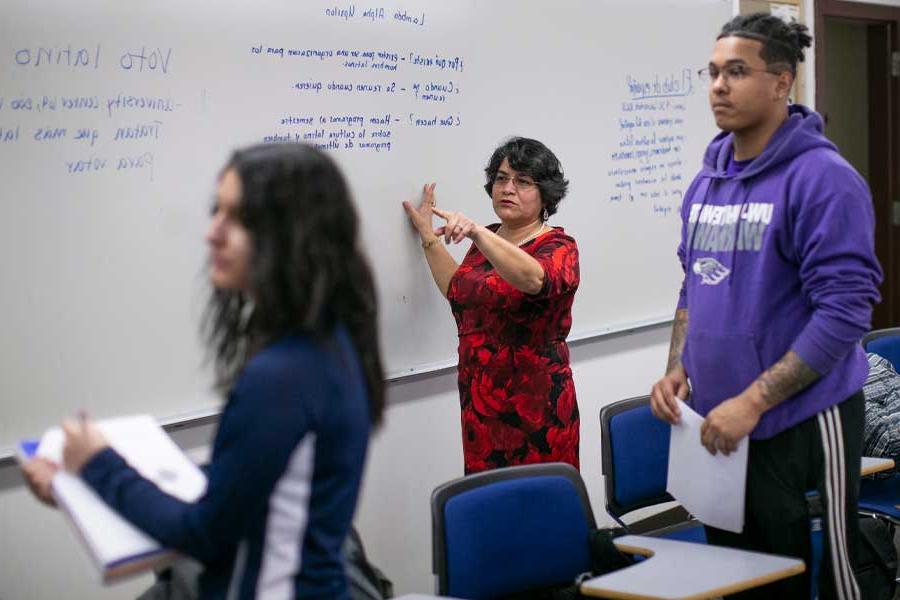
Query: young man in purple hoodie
{"x": 780, "y": 277}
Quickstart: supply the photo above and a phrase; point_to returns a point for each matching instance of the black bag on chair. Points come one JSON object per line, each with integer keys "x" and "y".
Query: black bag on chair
{"x": 605, "y": 558}
{"x": 876, "y": 565}
{"x": 365, "y": 580}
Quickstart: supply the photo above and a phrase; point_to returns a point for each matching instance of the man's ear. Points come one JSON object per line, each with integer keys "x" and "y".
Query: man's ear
{"x": 783, "y": 85}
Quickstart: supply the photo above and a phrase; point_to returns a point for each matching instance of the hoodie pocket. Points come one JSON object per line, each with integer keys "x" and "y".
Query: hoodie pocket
{"x": 720, "y": 365}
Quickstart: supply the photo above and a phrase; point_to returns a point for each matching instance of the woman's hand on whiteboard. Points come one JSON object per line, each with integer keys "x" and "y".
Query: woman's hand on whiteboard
{"x": 421, "y": 216}
{"x": 83, "y": 440}
{"x": 458, "y": 227}
{"x": 39, "y": 474}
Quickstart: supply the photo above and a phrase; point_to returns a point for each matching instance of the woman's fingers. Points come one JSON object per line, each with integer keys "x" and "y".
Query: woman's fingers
{"x": 457, "y": 228}
{"x": 420, "y": 215}
{"x": 467, "y": 230}
{"x": 413, "y": 213}
{"x": 421, "y": 222}
{"x": 450, "y": 227}
{"x": 442, "y": 213}
{"x": 39, "y": 474}
{"x": 428, "y": 194}
{"x": 462, "y": 229}
{"x": 428, "y": 199}
{"x": 71, "y": 428}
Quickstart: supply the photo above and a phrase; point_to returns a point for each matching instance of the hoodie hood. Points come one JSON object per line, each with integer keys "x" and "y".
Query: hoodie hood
{"x": 802, "y": 131}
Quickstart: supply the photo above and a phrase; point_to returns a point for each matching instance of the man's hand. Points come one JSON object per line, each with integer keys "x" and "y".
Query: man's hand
{"x": 664, "y": 393}
{"x": 731, "y": 421}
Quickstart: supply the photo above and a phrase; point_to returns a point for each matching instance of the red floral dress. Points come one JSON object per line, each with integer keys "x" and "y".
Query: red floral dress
{"x": 515, "y": 383}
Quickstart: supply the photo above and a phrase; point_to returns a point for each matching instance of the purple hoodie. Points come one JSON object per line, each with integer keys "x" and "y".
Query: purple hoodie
{"x": 777, "y": 257}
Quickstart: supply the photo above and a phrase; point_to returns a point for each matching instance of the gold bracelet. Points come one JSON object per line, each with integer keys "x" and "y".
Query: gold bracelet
{"x": 430, "y": 243}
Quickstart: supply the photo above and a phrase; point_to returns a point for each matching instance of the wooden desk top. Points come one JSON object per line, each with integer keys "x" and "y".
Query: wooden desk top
{"x": 871, "y": 465}
{"x": 688, "y": 571}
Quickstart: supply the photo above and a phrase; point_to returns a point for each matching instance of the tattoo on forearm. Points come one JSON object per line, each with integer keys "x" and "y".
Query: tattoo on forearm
{"x": 679, "y": 331}
{"x": 785, "y": 378}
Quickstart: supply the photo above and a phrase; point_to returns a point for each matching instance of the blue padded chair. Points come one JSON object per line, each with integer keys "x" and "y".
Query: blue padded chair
{"x": 510, "y": 530}
{"x": 879, "y": 498}
{"x": 886, "y": 343}
{"x": 635, "y": 464}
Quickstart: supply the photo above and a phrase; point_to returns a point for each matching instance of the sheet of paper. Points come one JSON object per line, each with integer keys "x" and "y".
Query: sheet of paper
{"x": 709, "y": 487}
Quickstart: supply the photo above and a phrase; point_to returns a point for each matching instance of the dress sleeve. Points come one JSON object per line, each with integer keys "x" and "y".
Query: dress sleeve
{"x": 558, "y": 257}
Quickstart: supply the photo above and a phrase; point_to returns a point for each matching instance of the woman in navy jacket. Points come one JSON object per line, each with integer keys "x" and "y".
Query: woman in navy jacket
{"x": 291, "y": 321}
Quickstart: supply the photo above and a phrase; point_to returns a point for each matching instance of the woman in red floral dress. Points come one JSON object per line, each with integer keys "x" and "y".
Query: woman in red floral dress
{"x": 512, "y": 301}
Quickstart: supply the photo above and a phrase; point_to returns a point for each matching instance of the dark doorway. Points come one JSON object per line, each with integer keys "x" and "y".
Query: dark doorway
{"x": 858, "y": 93}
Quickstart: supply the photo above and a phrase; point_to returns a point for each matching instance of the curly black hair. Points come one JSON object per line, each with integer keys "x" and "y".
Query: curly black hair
{"x": 782, "y": 43}
{"x": 307, "y": 274}
{"x": 534, "y": 159}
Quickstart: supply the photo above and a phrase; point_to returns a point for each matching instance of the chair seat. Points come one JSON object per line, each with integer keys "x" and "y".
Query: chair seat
{"x": 689, "y": 532}
{"x": 881, "y": 496}
{"x": 636, "y": 473}
{"x": 511, "y": 530}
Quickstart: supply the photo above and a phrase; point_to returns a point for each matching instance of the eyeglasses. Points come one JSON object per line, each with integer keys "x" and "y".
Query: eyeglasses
{"x": 520, "y": 184}
{"x": 730, "y": 73}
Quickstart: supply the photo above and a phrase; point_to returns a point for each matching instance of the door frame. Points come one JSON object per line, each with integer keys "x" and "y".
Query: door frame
{"x": 884, "y": 134}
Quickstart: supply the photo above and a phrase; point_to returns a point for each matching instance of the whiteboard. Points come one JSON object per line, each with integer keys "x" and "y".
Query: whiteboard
{"x": 115, "y": 118}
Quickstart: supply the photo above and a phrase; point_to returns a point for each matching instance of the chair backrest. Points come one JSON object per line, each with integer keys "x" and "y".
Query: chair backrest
{"x": 886, "y": 343}
{"x": 510, "y": 530}
{"x": 635, "y": 456}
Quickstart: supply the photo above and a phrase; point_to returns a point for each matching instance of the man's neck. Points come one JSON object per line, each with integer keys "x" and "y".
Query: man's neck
{"x": 750, "y": 143}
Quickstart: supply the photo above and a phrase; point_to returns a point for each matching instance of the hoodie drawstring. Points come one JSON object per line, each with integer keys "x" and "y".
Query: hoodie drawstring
{"x": 737, "y": 226}
{"x": 687, "y": 256}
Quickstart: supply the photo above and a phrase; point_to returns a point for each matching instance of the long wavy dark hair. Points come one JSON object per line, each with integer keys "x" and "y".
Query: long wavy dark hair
{"x": 307, "y": 271}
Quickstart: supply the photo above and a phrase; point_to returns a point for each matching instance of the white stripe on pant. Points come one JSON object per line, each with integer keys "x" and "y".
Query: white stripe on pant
{"x": 832, "y": 436}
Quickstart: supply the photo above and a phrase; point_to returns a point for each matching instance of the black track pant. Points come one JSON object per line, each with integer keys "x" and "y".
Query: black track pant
{"x": 822, "y": 453}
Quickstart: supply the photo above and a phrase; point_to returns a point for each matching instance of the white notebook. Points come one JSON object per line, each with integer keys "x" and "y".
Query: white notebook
{"x": 116, "y": 547}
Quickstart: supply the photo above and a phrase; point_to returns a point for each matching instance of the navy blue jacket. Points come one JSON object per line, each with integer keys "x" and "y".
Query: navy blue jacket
{"x": 283, "y": 479}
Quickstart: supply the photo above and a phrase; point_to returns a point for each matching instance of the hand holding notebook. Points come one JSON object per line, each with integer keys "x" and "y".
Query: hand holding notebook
{"x": 116, "y": 547}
